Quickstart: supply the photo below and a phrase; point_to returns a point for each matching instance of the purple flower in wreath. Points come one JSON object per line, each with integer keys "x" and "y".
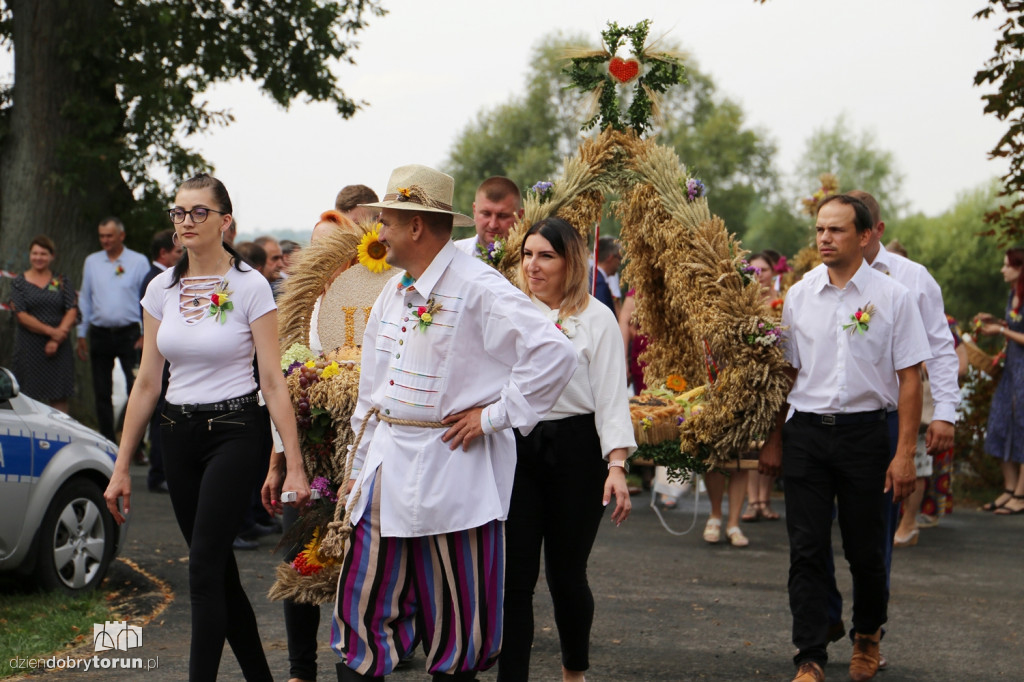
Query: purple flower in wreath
{"x": 542, "y": 188}
{"x": 323, "y": 486}
{"x": 694, "y": 189}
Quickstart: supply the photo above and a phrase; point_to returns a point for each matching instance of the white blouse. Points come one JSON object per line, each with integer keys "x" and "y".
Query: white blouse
{"x": 598, "y": 384}
{"x": 209, "y": 361}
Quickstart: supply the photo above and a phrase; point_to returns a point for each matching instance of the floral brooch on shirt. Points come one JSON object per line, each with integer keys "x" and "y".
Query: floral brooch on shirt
{"x": 567, "y": 326}
{"x": 425, "y": 314}
{"x": 119, "y": 270}
{"x": 220, "y": 302}
{"x": 859, "y": 320}
{"x": 54, "y": 285}
{"x": 1015, "y": 315}
{"x": 491, "y": 253}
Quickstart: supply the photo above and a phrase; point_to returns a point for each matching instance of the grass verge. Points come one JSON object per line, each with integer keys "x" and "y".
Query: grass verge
{"x": 34, "y": 625}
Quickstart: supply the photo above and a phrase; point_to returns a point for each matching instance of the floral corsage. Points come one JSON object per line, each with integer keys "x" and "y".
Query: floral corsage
{"x": 119, "y": 270}
{"x": 566, "y": 325}
{"x": 491, "y": 253}
{"x": 859, "y": 320}
{"x": 54, "y": 285}
{"x": 425, "y": 314}
{"x": 220, "y": 302}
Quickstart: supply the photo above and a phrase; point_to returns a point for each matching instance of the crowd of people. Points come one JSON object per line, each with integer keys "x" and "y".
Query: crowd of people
{"x": 540, "y": 431}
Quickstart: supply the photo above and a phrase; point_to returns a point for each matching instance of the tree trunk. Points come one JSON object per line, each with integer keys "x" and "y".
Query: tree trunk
{"x": 58, "y": 160}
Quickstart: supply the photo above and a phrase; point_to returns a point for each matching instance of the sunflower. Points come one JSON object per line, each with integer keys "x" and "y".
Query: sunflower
{"x": 372, "y": 252}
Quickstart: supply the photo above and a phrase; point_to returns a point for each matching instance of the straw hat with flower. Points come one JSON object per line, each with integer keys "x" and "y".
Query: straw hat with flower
{"x": 419, "y": 188}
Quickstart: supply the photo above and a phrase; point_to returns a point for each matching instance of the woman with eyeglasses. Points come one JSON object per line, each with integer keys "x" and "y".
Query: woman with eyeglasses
{"x": 572, "y": 464}
{"x": 207, "y": 317}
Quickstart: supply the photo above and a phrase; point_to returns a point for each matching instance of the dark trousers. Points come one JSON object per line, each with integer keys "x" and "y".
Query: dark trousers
{"x": 106, "y": 344}
{"x": 823, "y": 465}
{"x": 301, "y": 621}
{"x": 211, "y": 462}
{"x": 156, "y": 452}
{"x": 556, "y": 503}
{"x": 892, "y": 519}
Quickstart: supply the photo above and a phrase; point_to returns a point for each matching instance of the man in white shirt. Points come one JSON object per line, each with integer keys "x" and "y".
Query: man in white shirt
{"x": 943, "y": 366}
{"x": 855, "y": 341}
{"x": 497, "y": 204}
{"x": 453, "y": 358}
{"x": 111, "y": 316}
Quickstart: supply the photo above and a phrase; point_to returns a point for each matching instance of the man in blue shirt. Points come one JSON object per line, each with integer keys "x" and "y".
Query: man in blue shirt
{"x": 109, "y": 301}
{"x": 609, "y": 257}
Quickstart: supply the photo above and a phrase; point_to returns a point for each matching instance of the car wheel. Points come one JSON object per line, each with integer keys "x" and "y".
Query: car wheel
{"x": 76, "y": 540}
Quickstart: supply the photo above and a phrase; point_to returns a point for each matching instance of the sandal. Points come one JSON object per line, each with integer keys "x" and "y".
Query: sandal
{"x": 736, "y": 537}
{"x": 992, "y": 506}
{"x": 713, "y": 531}
{"x": 1007, "y": 511}
{"x": 769, "y": 514}
{"x": 753, "y": 512}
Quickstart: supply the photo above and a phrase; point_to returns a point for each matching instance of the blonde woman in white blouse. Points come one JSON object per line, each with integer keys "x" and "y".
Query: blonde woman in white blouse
{"x": 207, "y": 317}
{"x": 572, "y": 464}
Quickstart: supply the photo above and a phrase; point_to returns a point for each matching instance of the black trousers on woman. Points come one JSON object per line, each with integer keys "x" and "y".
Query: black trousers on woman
{"x": 212, "y": 461}
{"x": 556, "y": 503}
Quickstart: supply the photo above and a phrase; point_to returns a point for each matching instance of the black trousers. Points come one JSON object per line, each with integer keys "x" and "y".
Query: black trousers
{"x": 106, "y": 344}
{"x": 301, "y": 621}
{"x": 823, "y": 465}
{"x": 556, "y": 503}
{"x": 212, "y": 462}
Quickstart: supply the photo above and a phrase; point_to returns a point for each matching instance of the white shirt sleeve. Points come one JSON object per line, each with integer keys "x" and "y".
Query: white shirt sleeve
{"x": 944, "y": 366}
{"x": 608, "y": 381}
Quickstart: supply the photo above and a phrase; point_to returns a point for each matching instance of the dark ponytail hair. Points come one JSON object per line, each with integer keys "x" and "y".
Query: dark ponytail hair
{"x": 1015, "y": 257}
{"x": 223, "y": 200}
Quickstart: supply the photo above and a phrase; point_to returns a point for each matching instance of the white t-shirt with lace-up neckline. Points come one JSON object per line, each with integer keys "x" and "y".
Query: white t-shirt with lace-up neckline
{"x": 210, "y": 355}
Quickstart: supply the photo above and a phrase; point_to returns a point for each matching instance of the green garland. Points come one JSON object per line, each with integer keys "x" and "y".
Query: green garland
{"x": 681, "y": 465}
{"x": 658, "y": 72}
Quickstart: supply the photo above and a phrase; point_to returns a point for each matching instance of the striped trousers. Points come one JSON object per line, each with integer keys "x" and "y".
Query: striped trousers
{"x": 444, "y": 590}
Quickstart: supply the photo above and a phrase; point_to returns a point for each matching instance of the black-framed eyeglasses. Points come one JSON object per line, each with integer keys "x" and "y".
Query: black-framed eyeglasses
{"x": 199, "y": 214}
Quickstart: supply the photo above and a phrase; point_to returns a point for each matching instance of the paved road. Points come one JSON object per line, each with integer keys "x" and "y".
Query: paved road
{"x": 674, "y": 608}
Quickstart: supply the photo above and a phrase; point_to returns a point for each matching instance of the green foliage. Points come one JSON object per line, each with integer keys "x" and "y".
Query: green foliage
{"x": 681, "y": 466}
{"x": 856, "y": 161}
{"x": 969, "y": 445}
{"x": 963, "y": 261}
{"x": 37, "y": 624}
{"x": 1005, "y": 70}
{"x": 153, "y": 61}
{"x": 777, "y": 226}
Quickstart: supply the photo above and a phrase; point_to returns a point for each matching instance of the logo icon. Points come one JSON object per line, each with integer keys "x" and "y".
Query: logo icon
{"x": 116, "y": 635}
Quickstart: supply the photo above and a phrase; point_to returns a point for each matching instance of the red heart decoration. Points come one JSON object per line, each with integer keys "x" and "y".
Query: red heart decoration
{"x": 623, "y": 70}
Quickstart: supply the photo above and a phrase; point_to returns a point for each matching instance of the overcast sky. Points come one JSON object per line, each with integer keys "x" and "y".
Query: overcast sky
{"x": 900, "y": 70}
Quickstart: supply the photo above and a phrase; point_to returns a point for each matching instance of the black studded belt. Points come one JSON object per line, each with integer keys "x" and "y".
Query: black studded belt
{"x": 229, "y": 405}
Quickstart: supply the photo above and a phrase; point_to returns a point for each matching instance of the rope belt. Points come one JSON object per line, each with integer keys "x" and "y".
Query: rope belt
{"x": 338, "y": 530}
{"x": 399, "y": 422}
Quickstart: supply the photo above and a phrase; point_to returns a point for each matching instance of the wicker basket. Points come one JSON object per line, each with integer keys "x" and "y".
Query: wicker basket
{"x": 978, "y": 359}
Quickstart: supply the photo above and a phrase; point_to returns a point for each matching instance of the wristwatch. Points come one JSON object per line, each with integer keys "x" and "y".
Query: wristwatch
{"x": 621, "y": 463}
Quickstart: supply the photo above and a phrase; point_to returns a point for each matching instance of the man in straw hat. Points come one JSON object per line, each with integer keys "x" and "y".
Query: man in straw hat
{"x": 453, "y": 358}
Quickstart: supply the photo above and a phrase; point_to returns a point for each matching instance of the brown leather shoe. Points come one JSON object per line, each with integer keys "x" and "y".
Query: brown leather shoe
{"x": 809, "y": 671}
{"x": 864, "y": 662}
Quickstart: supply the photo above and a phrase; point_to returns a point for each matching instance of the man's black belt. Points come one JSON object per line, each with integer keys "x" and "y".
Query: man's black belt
{"x": 840, "y": 419}
{"x": 229, "y": 405}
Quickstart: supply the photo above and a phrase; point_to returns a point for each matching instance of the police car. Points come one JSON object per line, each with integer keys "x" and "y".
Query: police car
{"x": 54, "y": 523}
